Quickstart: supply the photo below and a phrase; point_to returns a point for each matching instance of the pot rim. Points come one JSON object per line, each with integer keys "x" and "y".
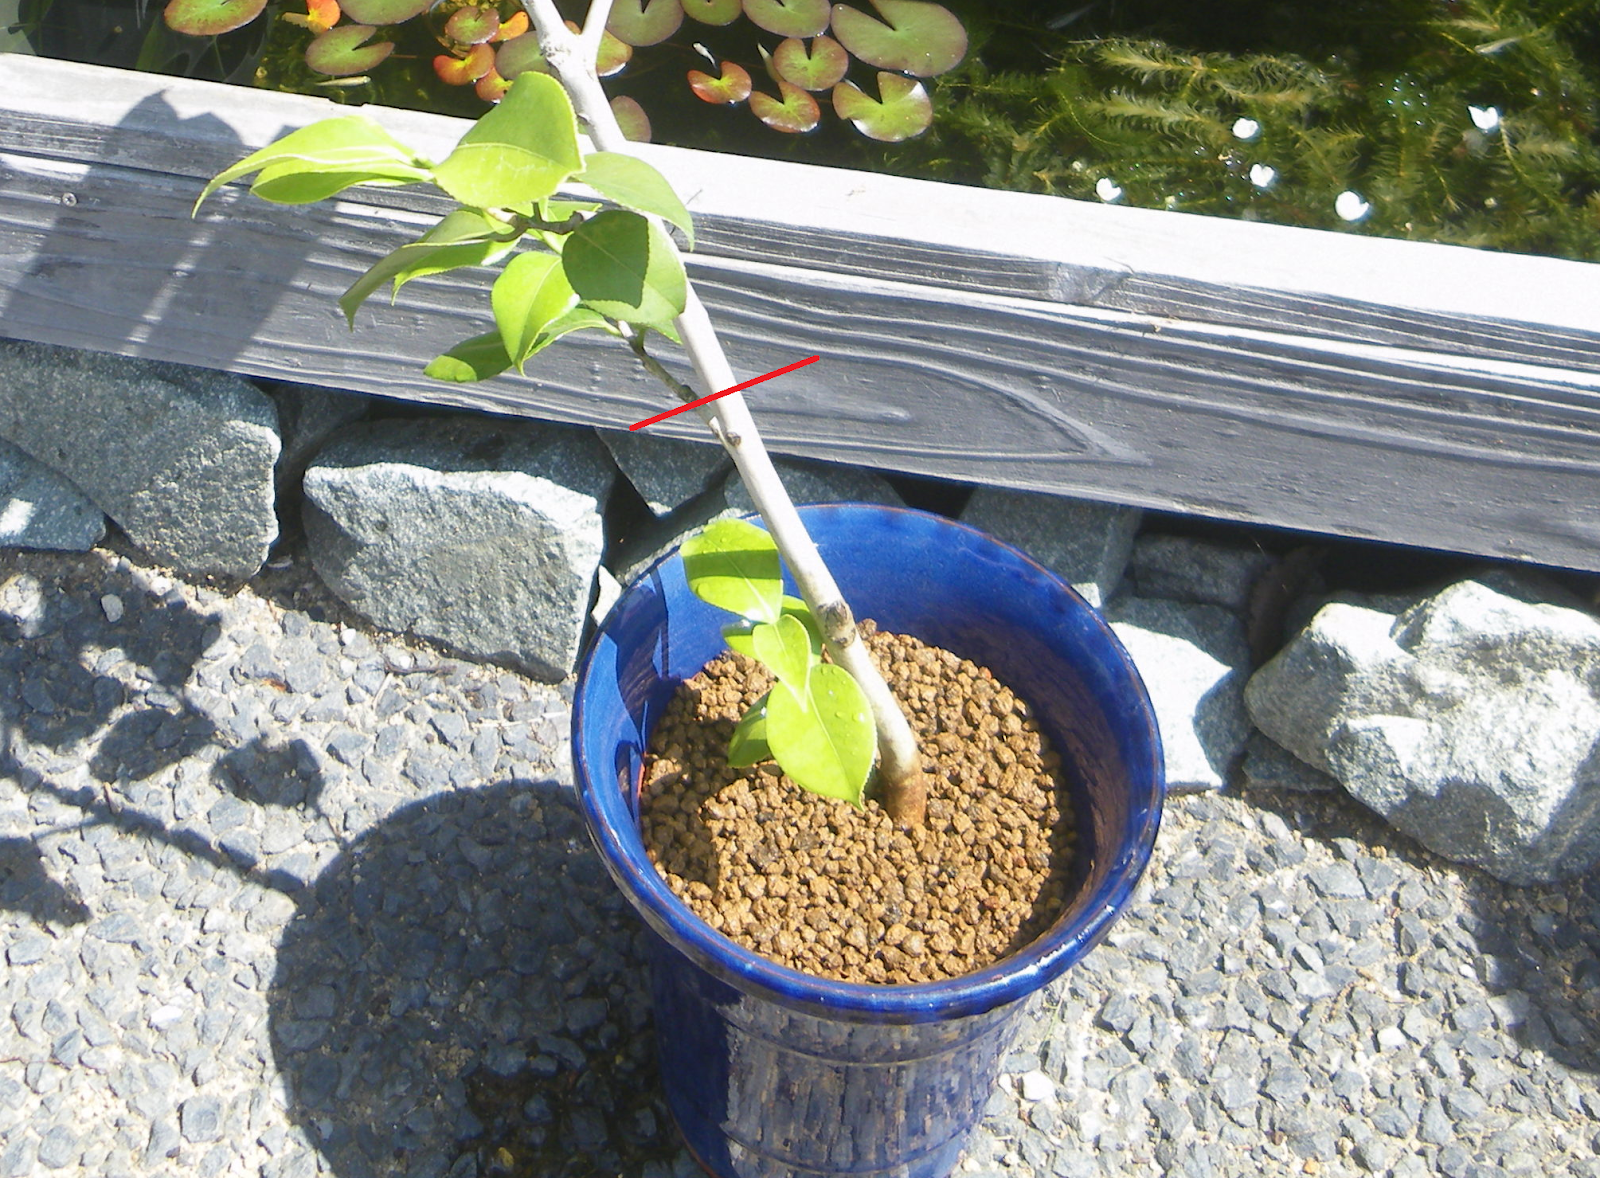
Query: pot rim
{"x": 614, "y": 830}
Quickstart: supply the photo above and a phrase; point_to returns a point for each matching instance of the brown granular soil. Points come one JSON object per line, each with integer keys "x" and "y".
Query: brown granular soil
{"x": 815, "y": 883}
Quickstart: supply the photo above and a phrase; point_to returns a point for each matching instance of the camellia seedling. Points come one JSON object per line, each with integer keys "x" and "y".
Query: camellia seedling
{"x": 815, "y": 722}
{"x": 568, "y": 266}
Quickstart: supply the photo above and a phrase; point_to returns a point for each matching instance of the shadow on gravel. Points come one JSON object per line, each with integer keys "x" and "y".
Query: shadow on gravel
{"x": 463, "y": 991}
{"x": 1537, "y": 949}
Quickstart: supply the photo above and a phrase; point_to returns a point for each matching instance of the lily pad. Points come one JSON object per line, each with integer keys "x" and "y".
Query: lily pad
{"x": 733, "y": 86}
{"x": 789, "y": 18}
{"x": 713, "y": 12}
{"x": 472, "y": 26}
{"x": 520, "y": 55}
{"x": 796, "y": 114}
{"x": 904, "y": 112}
{"x": 914, "y": 37}
{"x": 491, "y": 87}
{"x": 385, "y": 12}
{"x": 343, "y": 51}
{"x": 613, "y": 55}
{"x": 463, "y": 71}
{"x": 645, "y": 22}
{"x": 320, "y": 16}
{"x": 208, "y": 18}
{"x": 513, "y": 26}
{"x": 821, "y": 67}
{"x": 631, "y": 118}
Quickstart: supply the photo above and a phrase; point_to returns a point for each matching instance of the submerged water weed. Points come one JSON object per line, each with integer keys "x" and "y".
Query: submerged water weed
{"x": 1470, "y": 122}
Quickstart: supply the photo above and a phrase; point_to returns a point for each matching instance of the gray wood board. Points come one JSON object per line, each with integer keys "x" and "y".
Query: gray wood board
{"x": 1011, "y": 381}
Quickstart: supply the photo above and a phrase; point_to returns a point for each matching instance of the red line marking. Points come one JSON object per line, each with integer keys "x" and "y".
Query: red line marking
{"x": 736, "y": 388}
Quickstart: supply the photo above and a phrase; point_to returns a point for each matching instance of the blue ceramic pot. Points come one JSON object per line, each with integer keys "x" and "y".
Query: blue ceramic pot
{"x": 772, "y": 1073}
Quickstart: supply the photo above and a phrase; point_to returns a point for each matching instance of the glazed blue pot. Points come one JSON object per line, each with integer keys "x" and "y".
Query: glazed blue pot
{"x": 771, "y": 1073}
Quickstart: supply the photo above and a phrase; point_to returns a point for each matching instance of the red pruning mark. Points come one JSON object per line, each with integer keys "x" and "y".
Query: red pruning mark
{"x": 736, "y": 388}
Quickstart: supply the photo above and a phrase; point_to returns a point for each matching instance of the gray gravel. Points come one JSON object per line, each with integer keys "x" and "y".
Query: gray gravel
{"x": 282, "y": 896}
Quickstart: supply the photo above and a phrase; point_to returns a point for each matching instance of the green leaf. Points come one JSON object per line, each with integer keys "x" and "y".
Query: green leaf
{"x": 520, "y": 151}
{"x": 466, "y": 237}
{"x": 634, "y": 184}
{"x": 478, "y": 358}
{"x": 384, "y": 12}
{"x": 733, "y": 565}
{"x": 209, "y": 18}
{"x": 626, "y": 267}
{"x": 644, "y": 22}
{"x": 738, "y": 637}
{"x": 351, "y": 150}
{"x": 819, "y": 67}
{"x": 789, "y": 18}
{"x": 795, "y": 114}
{"x": 748, "y": 745}
{"x": 341, "y": 52}
{"x": 905, "y": 111}
{"x": 827, "y": 741}
{"x": 531, "y": 293}
{"x": 786, "y": 650}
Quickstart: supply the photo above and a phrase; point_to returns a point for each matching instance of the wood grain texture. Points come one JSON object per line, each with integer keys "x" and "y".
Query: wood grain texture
{"x": 1357, "y": 387}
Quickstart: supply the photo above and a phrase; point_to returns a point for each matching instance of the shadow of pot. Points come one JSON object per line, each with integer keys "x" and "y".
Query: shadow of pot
{"x": 770, "y": 1072}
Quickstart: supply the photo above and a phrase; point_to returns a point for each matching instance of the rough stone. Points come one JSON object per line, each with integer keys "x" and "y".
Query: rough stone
{"x": 1185, "y": 568}
{"x": 1085, "y": 543}
{"x": 181, "y": 458}
{"x": 1268, "y": 765}
{"x": 307, "y": 417}
{"x": 40, "y": 508}
{"x": 482, "y": 534}
{"x": 1193, "y": 659}
{"x": 1469, "y": 721}
{"x": 667, "y": 472}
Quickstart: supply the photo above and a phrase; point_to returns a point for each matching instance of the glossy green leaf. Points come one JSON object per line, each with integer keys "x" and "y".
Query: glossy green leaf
{"x": 209, "y": 18}
{"x": 625, "y": 266}
{"x": 820, "y": 66}
{"x": 713, "y": 12}
{"x": 748, "y": 744}
{"x": 738, "y": 637}
{"x": 465, "y": 237}
{"x": 733, "y": 86}
{"x": 795, "y": 114}
{"x": 913, "y": 36}
{"x": 786, "y": 650}
{"x": 531, "y": 293}
{"x": 634, "y": 184}
{"x": 577, "y": 319}
{"x": 826, "y": 741}
{"x": 384, "y": 12}
{"x": 520, "y": 151}
{"x": 905, "y": 109}
{"x": 351, "y": 150}
{"x": 789, "y": 18}
{"x": 733, "y": 565}
{"x": 478, "y": 358}
{"x": 644, "y": 22}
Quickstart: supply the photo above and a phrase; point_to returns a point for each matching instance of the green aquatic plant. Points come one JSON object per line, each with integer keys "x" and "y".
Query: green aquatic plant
{"x": 1472, "y": 122}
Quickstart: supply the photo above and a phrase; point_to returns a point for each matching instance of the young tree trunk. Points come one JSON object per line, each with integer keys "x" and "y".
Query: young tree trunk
{"x": 571, "y": 57}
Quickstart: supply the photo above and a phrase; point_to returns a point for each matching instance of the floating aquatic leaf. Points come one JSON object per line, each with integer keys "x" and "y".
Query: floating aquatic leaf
{"x": 734, "y": 565}
{"x": 645, "y": 22}
{"x": 518, "y": 152}
{"x": 463, "y": 71}
{"x": 789, "y": 18}
{"x": 796, "y": 114}
{"x": 209, "y": 18}
{"x": 472, "y": 26}
{"x": 513, "y": 26}
{"x": 626, "y": 267}
{"x": 905, "y": 110}
{"x": 491, "y": 87}
{"x": 612, "y": 56}
{"x": 914, "y": 37}
{"x": 634, "y": 184}
{"x": 344, "y": 51}
{"x": 713, "y": 12}
{"x": 321, "y": 15}
{"x": 385, "y": 12}
{"x": 733, "y": 86}
{"x": 631, "y": 118}
{"x": 520, "y": 55}
{"x": 820, "y": 67}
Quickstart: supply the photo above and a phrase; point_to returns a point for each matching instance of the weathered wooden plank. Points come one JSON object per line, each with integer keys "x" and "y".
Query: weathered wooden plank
{"x": 993, "y": 365}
